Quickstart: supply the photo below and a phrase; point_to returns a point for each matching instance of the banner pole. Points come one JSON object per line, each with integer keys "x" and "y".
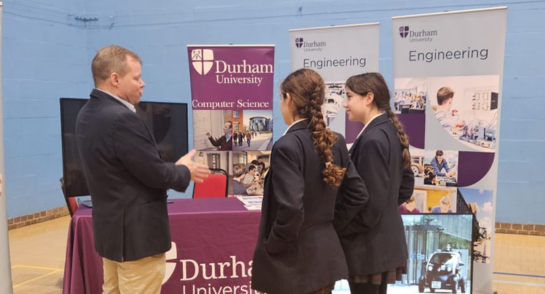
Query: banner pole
{"x": 5, "y": 266}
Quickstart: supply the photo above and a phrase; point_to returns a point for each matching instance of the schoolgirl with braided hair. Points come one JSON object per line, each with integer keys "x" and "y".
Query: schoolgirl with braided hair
{"x": 298, "y": 250}
{"x": 375, "y": 246}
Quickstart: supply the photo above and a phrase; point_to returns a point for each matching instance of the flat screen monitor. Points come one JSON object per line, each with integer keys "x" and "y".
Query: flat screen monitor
{"x": 167, "y": 121}
{"x": 441, "y": 254}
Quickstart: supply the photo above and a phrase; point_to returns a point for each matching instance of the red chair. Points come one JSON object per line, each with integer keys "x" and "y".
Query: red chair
{"x": 215, "y": 186}
{"x": 71, "y": 202}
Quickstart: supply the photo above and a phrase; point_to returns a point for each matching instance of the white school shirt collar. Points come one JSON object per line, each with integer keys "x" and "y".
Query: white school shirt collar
{"x": 368, "y": 123}
{"x": 292, "y": 125}
{"x": 130, "y": 106}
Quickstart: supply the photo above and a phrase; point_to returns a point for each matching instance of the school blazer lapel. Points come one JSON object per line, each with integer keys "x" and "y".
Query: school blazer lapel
{"x": 376, "y": 122}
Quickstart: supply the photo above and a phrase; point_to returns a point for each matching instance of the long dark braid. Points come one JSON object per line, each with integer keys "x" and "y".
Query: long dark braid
{"x": 307, "y": 90}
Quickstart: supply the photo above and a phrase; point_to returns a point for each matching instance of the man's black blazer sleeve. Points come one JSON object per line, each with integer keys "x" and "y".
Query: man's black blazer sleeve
{"x": 136, "y": 149}
{"x": 216, "y": 143}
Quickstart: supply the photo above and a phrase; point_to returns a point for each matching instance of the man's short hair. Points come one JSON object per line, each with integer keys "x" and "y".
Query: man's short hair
{"x": 439, "y": 153}
{"x": 238, "y": 170}
{"x": 252, "y": 167}
{"x": 230, "y": 124}
{"x": 111, "y": 59}
{"x": 444, "y": 94}
{"x": 260, "y": 157}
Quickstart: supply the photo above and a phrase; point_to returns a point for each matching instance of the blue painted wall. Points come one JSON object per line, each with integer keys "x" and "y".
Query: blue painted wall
{"x": 159, "y": 31}
{"x": 43, "y": 58}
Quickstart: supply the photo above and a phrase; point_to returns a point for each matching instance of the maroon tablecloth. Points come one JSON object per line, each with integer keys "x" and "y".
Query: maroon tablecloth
{"x": 214, "y": 242}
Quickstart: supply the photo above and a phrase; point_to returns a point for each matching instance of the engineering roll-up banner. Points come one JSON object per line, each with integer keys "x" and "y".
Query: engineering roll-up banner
{"x": 5, "y": 268}
{"x": 337, "y": 53}
{"x": 448, "y": 71}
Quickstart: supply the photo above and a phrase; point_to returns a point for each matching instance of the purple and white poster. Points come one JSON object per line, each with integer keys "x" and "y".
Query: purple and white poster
{"x": 447, "y": 92}
{"x": 231, "y": 96}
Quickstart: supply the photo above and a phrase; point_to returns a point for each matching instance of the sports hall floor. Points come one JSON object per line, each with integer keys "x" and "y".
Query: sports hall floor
{"x": 38, "y": 253}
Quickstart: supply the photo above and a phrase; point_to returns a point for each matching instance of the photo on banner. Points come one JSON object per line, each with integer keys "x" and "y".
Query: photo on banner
{"x": 431, "y": 200}
{"x": 410, "y": 95}
{"x": 250, "y": 169}
{"x": 252, "y": 130}
{"x": 467, "y": 109}
{"x": 213, "y": 130}
{"x": 480, "y": 202}
{"x": 336, "y": 53}
{"x": 215, "y": 160}
{"x": 441, "y": 168}
{"x": 448, "y": 69}
{"x": 335, "y": 94}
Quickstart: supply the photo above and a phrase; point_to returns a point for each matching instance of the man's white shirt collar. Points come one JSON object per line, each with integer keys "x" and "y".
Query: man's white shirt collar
{"x": 130, "y": 106}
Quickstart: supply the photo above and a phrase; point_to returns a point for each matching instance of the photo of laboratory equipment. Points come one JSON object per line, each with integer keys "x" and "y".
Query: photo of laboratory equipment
{"x": 410, "y": 95}
{"x": 469, "y": 109}
{"x": 482, "y": 118}
{"x": 334, "y": 98}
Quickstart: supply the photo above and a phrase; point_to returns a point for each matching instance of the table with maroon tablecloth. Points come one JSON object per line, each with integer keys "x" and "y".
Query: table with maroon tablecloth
{"x": 213, "y": 238}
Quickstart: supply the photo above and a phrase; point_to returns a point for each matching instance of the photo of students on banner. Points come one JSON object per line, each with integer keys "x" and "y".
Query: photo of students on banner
{"x": 213, "y": 130}
{"x": 249, "y": 171}
{"x": 431, "y": 200}
{"x": 439, "y": 254}
{"x": 415, "y": 204}
{"x": 252, "y": 130}
{"x": 441, "y": 168}
{"x": 410, "y": 96}
{"x": 467, "y": 108}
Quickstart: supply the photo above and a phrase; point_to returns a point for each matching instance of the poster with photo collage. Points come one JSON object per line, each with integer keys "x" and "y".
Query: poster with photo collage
{"x": 231, "y": 96}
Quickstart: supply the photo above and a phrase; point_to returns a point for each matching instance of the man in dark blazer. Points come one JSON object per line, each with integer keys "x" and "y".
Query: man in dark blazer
{"x": 126, "y": 177}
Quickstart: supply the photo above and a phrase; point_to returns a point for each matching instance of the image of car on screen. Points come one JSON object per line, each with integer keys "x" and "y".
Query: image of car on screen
{"x": 442, "y": 272}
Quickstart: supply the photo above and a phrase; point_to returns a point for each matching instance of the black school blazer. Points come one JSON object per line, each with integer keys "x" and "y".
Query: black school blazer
{"x": 298, "y": 250}
{"x": 374, "y": 240}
